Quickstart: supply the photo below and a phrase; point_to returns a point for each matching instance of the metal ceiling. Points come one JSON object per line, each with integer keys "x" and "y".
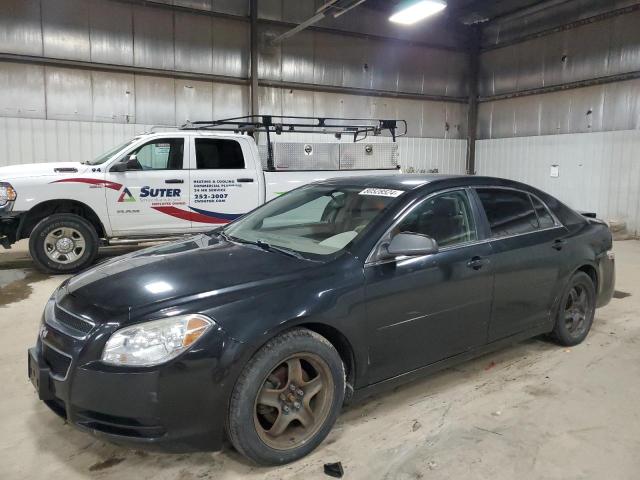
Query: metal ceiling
{"x": 467, "y": 11}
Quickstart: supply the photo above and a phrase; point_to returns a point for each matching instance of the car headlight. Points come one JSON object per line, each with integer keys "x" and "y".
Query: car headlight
{"x": 7, "y": 193}
{"x": 158, "y": 341}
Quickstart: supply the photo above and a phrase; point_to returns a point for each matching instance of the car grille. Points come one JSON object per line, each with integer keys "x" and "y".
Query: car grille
{"x": 57, "y": 362}
{"x": 73, "y": 325}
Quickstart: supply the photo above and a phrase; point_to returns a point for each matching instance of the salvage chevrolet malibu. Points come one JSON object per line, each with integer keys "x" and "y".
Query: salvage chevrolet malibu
{"x": 264, "y": 328}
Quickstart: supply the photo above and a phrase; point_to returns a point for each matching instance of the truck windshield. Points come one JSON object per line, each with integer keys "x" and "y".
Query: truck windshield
{"x": 314, "y": 221}
{"x": 109, "y": 153}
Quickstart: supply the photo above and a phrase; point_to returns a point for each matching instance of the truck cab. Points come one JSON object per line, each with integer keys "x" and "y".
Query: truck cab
{"x": 163, "y": 184}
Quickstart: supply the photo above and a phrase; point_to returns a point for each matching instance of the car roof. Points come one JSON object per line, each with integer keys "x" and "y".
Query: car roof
{"x": 411, "y": 181}
{"x": 405, "y": 181}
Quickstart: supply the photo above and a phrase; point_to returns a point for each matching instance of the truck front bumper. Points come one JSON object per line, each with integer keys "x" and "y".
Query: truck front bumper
{"x": 10, "y": 223}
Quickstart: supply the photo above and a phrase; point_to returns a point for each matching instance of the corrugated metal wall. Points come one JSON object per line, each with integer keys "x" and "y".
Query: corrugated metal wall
{"x": 34, "y": 140}
{"x": 595, "y": 50}
{"x": 581, "y": 121}
{"x": 598, "y": 172}
{"x": 144, "y": 63}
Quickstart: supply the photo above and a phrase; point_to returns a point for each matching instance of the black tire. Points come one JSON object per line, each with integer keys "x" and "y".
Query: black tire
{"x": 574, "y": 318}
{"x": 78, "y": 258}
{"x": 243, "y": 424}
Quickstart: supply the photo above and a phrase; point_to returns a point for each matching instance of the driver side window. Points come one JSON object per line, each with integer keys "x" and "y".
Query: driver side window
{"x": 161, "y": 154}
{"x": 447, "y": 218}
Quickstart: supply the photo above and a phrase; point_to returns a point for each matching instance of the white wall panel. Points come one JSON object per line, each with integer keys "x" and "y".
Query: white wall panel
{"x": 111, "y": 32}
{"x": 599, "y": 171}
{"x": 21, "y": 27}
{"x": 24, "y": 140}
{"x": 65, "y": 25}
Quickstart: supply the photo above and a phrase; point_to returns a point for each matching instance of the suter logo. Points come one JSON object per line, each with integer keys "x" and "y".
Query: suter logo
{"x": 126, "y": 196}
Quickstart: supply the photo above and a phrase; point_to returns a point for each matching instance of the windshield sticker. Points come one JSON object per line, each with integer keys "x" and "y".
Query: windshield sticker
{"x": 381, "y": 192}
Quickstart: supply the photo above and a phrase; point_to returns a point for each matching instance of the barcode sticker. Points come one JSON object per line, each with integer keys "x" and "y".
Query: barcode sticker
{"x": 382, "y": 192}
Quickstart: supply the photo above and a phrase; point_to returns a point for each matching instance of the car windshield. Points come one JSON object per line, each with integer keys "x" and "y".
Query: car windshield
{"x": 109, "y": 153}
{"x": 313, "y": 221}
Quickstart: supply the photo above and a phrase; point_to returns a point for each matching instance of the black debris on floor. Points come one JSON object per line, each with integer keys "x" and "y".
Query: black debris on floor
{"x": 334, "y": 469}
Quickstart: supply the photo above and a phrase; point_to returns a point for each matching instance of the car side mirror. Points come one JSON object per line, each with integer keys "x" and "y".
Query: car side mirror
{"x": 410, "y": 245}
{"x": 130, "y": 163}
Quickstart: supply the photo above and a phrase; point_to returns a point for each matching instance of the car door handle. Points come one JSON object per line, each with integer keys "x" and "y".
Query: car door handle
{"x": 558, "y": 244}
{"x": 174, "y": 180}
{"x": 477, "y": 263}
{"x": 245, "y": 180}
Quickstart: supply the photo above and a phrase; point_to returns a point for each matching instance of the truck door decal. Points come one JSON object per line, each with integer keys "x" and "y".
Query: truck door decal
{"x": 201, "y": 216}
{"x": 96, "y": 182}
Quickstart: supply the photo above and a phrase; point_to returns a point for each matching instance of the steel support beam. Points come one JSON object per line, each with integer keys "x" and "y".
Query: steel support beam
{"x": 568, "y": 26}
{"x": 621, "y": 77}
{"x": 472, "y": 113}
{"x": 359, "y": 91}
{"x": 107, "y": 67}
{"x": 254, "y": 57}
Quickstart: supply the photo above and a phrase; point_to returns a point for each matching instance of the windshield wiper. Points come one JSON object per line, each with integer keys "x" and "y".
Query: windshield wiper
{"x": 262, "y": 244}
{"x": 271, "y": 248}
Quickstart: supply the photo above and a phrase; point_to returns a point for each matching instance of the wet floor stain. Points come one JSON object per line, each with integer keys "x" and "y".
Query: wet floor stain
{"x": 15, "y": 285}
{"x": 108, "y": 463}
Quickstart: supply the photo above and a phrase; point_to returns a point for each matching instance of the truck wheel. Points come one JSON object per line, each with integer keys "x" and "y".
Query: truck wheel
{"x": 287, "y": 398}
{"x": 63, "y": 243}
{"x": 576, "y": 311}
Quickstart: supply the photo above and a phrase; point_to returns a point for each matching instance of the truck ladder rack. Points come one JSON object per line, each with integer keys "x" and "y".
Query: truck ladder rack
{"x": 360, "y": 128}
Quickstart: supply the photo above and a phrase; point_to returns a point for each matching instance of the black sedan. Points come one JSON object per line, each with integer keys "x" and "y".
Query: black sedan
{"x": 264, "y": 328}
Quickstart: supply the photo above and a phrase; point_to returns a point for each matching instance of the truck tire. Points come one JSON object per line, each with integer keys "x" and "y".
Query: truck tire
{"x": 63, "y": 243}
{"x": 287, "y": 398}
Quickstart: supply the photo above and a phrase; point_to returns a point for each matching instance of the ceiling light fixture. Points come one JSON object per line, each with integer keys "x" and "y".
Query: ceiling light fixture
{"x": 416, "y": 11}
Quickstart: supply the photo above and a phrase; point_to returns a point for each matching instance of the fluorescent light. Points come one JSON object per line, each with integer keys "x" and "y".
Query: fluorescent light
{"x": 418, "y": 11}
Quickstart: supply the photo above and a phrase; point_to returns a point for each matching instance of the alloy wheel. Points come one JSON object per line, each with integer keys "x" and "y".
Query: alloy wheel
{"x": 577, "y": 310}
{"x": 294, "y": 401}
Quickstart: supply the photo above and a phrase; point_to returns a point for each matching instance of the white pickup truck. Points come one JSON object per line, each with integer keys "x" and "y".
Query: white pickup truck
{"x": 173, "y": 183}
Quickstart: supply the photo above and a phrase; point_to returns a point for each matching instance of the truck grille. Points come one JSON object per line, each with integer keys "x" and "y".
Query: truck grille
{"x": 73, "y": 325}
{"x": 57, "y": 362}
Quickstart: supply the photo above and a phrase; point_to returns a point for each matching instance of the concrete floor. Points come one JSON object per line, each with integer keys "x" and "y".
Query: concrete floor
{"x": 534, "y": 410}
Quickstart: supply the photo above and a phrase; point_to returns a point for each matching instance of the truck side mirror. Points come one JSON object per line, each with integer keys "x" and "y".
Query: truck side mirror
{"x": 410, "y": 245}
{"x": 130, "y": 163}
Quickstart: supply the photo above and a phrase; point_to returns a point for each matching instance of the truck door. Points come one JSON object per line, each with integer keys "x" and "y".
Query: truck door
{"x": 154, "y": 190}
{"x": 224, "y": 181}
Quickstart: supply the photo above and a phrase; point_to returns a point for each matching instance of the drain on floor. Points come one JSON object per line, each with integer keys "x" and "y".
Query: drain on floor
{"x": 619, "y": 294}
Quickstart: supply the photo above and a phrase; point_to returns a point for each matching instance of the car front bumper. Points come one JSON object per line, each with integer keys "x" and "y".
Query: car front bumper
{"x": 180, "y": 406}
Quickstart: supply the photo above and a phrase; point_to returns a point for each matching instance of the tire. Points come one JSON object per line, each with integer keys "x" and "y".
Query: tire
{"x": 576, "y": 311}
{"x": 73, "y": 235}
{"x": 250, "y": 422}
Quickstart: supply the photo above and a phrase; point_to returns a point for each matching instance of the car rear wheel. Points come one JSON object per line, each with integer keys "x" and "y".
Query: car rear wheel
{"x": 287, "y": 398}
{"x": 576, "y": 311}
{"x": 63, "y": 243}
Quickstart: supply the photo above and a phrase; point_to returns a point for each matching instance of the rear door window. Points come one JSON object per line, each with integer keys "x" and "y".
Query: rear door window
{"x": 218, "y": 154}
{"x": 544, "y": 217}
{"x": 510, "y": 212}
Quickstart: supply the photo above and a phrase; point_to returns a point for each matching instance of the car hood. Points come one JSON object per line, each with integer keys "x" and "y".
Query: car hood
{"x": 198, "y": 267}
{"x": 41, "y": 169}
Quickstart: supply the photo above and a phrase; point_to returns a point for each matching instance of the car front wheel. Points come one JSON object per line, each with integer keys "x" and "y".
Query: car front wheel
{"x": 287, "y": 398}
{"x": 63, "y": 243}
{"x": 576, "y": 311}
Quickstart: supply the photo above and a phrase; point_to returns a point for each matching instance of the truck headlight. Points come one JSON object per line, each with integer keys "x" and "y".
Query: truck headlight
{"x": 7, "y": 193}
{"x": 155, "y": 342}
